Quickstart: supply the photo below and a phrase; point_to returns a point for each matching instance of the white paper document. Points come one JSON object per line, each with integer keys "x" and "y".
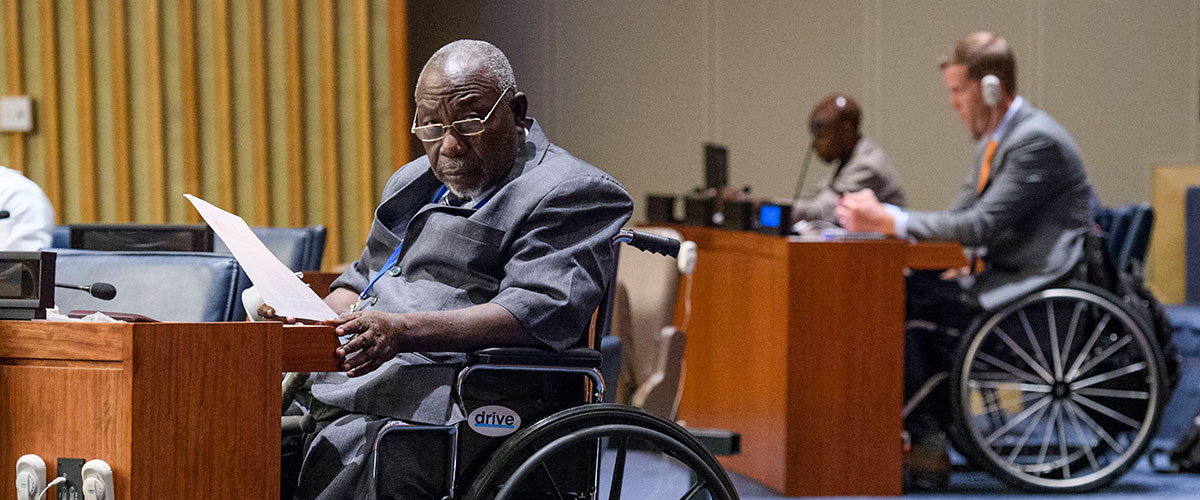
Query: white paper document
{"x": 278, "y": 285}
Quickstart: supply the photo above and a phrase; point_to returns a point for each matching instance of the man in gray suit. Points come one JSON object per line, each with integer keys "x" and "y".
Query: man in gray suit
{"x": 1023, "y": 207}
{"x": 495, "y": 237}
{"x": 859, "y": 163}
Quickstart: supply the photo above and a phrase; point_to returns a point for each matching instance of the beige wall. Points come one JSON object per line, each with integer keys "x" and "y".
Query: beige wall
{"x": 635, "y": 87}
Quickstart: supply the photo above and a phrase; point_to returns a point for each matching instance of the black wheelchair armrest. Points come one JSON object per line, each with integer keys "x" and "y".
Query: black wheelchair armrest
{"x": 579, "y": 357}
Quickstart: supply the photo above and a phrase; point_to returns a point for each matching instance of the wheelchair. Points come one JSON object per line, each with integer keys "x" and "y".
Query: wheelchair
{"x": 1061, "y": 390}
{"x": 536, "y": 427}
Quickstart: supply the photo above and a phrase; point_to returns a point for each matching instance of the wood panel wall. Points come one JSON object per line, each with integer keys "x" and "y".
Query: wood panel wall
{"x": 249, "y": 104}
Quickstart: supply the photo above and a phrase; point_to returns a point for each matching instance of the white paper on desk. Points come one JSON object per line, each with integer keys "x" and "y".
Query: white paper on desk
{"x": 278, "y": 285}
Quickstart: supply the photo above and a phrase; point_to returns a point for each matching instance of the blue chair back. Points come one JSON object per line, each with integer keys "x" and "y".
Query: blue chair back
{"x": 167, "y": 286}
{"x": 60, "y": 237}
{"x": 1192, "y": 245}
{"x": 1127, "y": 230}
{"x": 299, "y": 248}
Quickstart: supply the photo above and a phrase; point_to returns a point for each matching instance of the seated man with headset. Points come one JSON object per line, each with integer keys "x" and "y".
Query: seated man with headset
{"x": 1024, "y": 207}
{"x": 858, "y": 162}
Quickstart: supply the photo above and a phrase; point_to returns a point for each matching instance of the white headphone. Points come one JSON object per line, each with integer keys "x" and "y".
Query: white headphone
{"x": 991, "y": 90}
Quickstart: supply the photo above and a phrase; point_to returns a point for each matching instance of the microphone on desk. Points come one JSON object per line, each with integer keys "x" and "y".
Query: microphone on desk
{"x": 3, "y": 214}
{"x": 99, "y": 289}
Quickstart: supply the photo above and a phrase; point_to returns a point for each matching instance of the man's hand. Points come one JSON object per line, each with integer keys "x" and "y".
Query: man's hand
{"x": 955, "y": 273}
{"x": 377, "y": 338}
{"x": 861, "y": 212}
{"x": 267, "y": 313}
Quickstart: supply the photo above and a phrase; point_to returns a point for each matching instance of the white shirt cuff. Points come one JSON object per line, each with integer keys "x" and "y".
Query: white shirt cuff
{"x": 899, "y": 220}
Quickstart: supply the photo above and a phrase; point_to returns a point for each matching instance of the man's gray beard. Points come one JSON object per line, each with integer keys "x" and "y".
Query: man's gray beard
{"x": 487, "y": 183}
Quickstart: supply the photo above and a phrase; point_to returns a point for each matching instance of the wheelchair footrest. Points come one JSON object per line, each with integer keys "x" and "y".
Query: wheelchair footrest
{"x": 719, "y": 442}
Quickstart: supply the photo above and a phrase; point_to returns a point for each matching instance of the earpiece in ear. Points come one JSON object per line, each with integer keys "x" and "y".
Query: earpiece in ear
{"x": 991, "y": 90}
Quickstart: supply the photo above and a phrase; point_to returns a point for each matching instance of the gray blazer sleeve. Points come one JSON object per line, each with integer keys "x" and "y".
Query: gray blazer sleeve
{"x": 817, "y": 207}
{"x": 1027, "y": 180}
{"x": 562, "y": 259}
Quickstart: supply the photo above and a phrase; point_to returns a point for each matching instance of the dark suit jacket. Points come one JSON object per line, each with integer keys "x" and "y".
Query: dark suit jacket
{"x": 1032, "y": 216}
{"x": 539, "y": 247}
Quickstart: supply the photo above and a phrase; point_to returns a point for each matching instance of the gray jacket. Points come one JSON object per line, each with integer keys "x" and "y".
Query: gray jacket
{"x": 1032, "y": 216}
{"x": 538, "y": 247}
{"x": 867, "y": 168}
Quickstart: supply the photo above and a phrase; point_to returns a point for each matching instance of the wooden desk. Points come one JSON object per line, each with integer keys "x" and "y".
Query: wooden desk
{"x": 799, "y": 347}
{"x": 177, "y": 409}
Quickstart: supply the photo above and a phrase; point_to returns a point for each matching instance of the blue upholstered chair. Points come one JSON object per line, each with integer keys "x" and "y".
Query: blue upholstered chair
{"x": 60, "y": 237}
{"x": 1128, "y": 229}
{"x": 167, "y": 286}
{"x": 299, "y": 248}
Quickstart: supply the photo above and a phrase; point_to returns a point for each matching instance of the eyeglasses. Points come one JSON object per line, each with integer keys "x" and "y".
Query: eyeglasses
{"x": 470, "y": 126}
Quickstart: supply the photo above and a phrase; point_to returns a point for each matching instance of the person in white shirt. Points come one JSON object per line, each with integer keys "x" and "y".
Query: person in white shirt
{"x": 30, "y": 215}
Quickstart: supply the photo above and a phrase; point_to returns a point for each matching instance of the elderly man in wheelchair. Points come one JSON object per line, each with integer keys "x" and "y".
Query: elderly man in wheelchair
{"x": 498, "y": 240}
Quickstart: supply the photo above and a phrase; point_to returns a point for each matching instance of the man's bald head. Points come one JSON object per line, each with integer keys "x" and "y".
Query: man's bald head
{"x": 834, "y": 124}
{"x": 839, "y": 107}
{"x": 460, "y": 58}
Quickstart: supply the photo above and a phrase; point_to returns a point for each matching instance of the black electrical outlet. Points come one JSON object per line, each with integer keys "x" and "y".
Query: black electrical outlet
{"x": 72, "y": 469}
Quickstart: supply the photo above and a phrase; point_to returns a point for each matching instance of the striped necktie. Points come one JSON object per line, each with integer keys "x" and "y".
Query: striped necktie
{"x": 986, "y": 168}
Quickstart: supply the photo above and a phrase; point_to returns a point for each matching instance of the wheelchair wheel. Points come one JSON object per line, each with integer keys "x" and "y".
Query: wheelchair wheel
{"x": 629, "y": 430}
{"x": 1060, "y": 391}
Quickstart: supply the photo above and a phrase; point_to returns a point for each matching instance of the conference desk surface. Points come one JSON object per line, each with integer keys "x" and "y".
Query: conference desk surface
{"x": 176, "y": 409}
{"x": 798, "y": 346}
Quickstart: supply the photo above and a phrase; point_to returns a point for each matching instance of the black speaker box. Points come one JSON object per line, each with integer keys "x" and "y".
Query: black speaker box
{"x": 660, "y": 208}
{"x": 698, "y": 211}
{"x": 738, "y": 215}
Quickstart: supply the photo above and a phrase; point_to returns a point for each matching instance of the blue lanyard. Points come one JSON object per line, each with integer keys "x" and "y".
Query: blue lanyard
{"x": 441, "y": 192}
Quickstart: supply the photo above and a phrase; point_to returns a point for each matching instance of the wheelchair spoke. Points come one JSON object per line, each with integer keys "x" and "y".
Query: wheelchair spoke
{"x": 1109, "y": 412}
{"x": 1074, "y": 371}
{"x": 1014, "y": 386}
{"x": 1104, "y": 377}
{"x": 1066, "y": 347}
{"x": 618, "y": 469}
{"x": 1083, "y": 439}
{"x": 1012, "y": 457}
{"x": 1071, "y": 406}
{"x": 1033, "y": 341}
{"x": 1113, "y": 393}
{"x": 989, "y": 402}
{"x": 1105, "y": 354}
{"x": 1024, "y": 355}
{"x": 553, "y": 484}
{"x": 696, "y": 488}
{"x": 1021, "y": 417}
{"x": 1054, "y": 350}
{"x": 1062, "y": 441}
{"x": 1054, "y": 409}
{"x": 1012, "y": 370}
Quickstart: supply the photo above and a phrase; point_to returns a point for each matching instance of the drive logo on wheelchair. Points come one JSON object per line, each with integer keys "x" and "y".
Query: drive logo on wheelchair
{"x": 493, "y": 420}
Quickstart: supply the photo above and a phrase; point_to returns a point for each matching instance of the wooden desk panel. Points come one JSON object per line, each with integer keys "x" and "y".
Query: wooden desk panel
{"x": 798, "y": 346}
{"x": 309, "y": 349}
{"x": 735, "y": 346}
{"x": 845, "y": 368}
{"x": 186, "y": 407}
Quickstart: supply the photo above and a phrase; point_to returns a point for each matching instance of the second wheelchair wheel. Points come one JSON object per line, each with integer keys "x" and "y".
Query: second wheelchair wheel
{"x": 525, "y": 462}
{"x": 1058, "y": 392}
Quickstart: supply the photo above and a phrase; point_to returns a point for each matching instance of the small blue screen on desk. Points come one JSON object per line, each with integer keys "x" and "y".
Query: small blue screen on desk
{"x": 770, "y": 215}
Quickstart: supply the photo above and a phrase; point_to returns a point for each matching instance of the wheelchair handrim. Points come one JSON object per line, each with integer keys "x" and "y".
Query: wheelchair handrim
{"x": 1032, "y": 475}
